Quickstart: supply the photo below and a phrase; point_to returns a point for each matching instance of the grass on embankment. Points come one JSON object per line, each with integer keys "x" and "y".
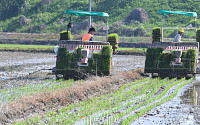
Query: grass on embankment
{"x": 26, "y": 48}
{"x": 50, "y": 49}
{"x": 132, "y": 51}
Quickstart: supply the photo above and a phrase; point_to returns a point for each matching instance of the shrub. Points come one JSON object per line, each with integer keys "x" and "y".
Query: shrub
{"x": 65, "y": 36}
{"x": 139, "y": 32}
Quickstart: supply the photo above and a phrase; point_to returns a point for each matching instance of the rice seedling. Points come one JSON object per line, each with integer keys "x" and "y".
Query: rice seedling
{"x": 133, "y": 117}
{"x": 129, "y": 98}
{"x": 11, "y": 94}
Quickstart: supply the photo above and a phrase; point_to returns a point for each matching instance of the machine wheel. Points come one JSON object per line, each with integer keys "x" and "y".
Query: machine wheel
{"x": 162, "y": 75}
{"x": 154, "y": 75}
{"x": 189, "y": 76}
{"x": 54, "y": 70}
{"x": 57, "y": 77}
{"x": 67, "y": 76}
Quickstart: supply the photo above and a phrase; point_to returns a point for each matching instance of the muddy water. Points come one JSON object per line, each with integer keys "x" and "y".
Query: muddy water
{"x": 127, "y": 63}
{"x": 195, "y": 98}
{"x": 20, "y": 68}
{"x": 184, "y": 109}
{"x": 22, "y": 58}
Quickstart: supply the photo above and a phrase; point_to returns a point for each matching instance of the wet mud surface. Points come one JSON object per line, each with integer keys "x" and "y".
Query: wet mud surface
{"x": 123, "y": 63}
{"x": 181, "y": 110}
{"x": 21, "y": 58}
{"x": 20, "y": 68}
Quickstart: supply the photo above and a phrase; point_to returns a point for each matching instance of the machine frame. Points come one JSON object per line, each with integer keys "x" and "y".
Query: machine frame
{"x": 85, "y": 64}
{"x": 171, "y": 47}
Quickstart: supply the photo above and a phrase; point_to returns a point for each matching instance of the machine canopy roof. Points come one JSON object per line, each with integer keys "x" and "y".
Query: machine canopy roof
{"x": 165, "y": 12}
{"x": 86, "y": 13}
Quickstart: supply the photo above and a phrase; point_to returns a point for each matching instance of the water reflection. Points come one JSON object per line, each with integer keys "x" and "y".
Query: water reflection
{"x": 191, "y": 98}
{"x": 198, "y": 77}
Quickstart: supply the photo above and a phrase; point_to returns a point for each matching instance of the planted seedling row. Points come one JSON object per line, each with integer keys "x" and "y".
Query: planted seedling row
{"x": 69, "y": 115}
{"x": 11, "y": 94}
{"x": 133, "y": 117}
{"x": 133, "y": 98}
{"x": 141, "y": 101}
{"x": 101, "y": 107}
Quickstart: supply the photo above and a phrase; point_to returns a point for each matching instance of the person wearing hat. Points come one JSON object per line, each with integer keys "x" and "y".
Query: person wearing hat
{"x": 177, "y": 38}
{"x": 89, "y": 36}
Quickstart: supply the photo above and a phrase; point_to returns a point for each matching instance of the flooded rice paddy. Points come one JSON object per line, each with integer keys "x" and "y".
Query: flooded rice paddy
{"x": 21, "y": 69}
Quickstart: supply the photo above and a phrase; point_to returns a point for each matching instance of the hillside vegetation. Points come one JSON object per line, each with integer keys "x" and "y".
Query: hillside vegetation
{"x": 48, "y": 16}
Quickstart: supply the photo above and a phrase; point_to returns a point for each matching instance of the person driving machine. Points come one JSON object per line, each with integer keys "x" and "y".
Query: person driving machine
{"x": 177, "y": 38}
{"x": 89, "y": 36}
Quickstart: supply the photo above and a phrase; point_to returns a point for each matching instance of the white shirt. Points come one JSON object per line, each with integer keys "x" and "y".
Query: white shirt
{"x": 177, "y": 38}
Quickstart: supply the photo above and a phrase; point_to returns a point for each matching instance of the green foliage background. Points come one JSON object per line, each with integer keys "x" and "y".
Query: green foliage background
{"x": 49, "y": 11}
